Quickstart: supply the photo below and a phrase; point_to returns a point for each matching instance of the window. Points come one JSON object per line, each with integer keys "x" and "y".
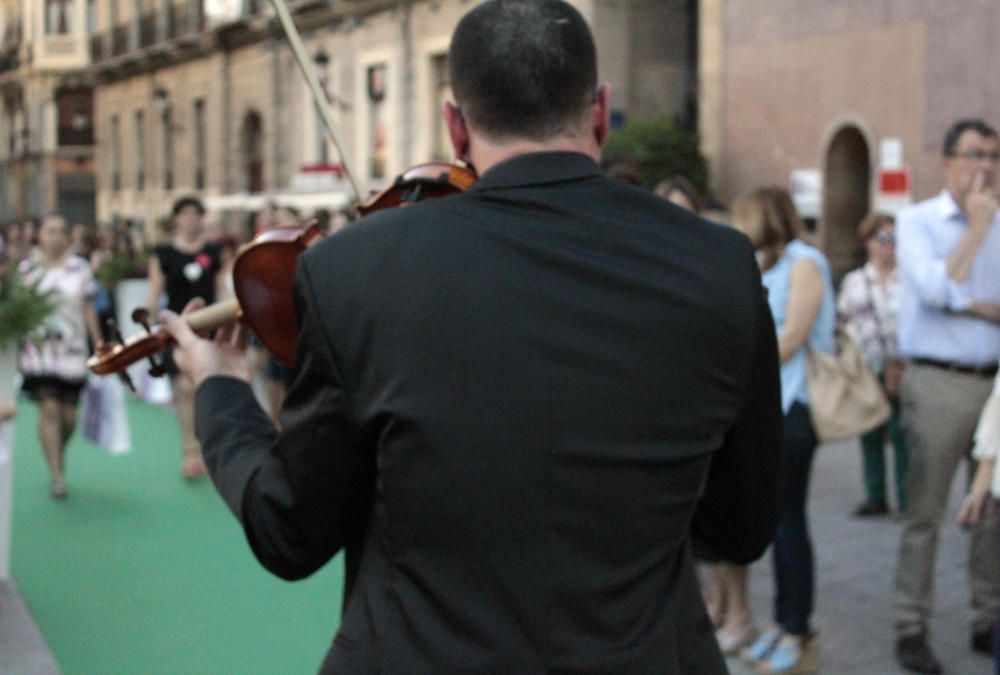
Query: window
{"x": 378, "y": 127}
{"x": 140, "y": 150}
{"x": 441, "y": 149}
{"x": 116, "y": 154}
{"x": 199, "y": 144}
{"x": 252, "y": 151}
{"x": 168, "y": 148}
{"x": 58, "y": 17}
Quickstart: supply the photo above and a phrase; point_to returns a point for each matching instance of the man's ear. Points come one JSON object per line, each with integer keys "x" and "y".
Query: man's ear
{"x": 458, "y": 131}
{"x": 600, "y": 114}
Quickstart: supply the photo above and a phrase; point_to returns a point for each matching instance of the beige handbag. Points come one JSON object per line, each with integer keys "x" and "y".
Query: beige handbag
{"x": 846, "y": 399}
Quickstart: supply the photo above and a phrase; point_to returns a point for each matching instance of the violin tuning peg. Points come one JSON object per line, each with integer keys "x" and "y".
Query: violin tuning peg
{"x": 141, "y": 316}
{"x": 157, "y": 368}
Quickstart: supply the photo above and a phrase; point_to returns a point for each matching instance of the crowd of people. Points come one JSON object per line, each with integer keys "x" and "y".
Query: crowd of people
{"x": 928, "y": 331}
{"x": 71, "y": 262}
{"x": 924, "y": 309}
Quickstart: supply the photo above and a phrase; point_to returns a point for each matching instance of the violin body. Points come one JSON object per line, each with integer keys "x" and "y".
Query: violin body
{"x": 263, "y": 277}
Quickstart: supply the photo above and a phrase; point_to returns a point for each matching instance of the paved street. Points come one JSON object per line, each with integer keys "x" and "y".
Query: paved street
{"x": 855, "y": 564}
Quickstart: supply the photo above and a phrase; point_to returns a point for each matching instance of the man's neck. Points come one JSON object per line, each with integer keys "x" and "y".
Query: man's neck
{"x": 484, "y": 154}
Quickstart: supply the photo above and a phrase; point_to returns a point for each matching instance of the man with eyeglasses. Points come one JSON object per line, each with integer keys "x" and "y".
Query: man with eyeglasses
{"x": 949, "y": 330}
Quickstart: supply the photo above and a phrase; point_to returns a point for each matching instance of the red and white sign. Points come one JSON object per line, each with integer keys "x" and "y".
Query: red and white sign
{"x": 894, "y": 182}
{"x": 893, "y": 190}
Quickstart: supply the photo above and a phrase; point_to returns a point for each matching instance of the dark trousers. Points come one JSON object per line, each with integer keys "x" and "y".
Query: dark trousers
{"x": 793, "y": 552}
{"x": 873, "y": 456}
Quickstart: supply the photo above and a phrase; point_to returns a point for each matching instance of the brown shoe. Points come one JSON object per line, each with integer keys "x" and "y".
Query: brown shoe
{"x": 982, "y": 640}
{"x": 914, "y": 654}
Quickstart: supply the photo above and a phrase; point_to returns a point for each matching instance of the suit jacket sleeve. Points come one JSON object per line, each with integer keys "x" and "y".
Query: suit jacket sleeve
{"x": 736, "y": 517}
{"x": 303, "y": 492}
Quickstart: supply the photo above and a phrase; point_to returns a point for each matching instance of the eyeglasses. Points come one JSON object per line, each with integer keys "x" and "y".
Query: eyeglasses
{"x": 978, "y": 155}
{"x": 885, "y": 238}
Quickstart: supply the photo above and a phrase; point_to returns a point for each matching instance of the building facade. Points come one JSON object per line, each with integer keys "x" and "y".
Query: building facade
{"x": 845, "y": 90}
{"x": 46, "y": 110}
{"x": 206, "y": 97}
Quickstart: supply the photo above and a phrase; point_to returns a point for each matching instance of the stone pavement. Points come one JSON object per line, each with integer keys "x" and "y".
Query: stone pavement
{"x": 855, "y": 562}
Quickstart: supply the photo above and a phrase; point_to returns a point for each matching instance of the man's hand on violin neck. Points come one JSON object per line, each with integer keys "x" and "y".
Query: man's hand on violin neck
{"x": 199, "y": 358}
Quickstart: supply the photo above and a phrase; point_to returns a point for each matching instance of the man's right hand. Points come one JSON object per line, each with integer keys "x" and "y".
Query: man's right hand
{"x": 981, "y": 204}
{"x": 198, "y": 358}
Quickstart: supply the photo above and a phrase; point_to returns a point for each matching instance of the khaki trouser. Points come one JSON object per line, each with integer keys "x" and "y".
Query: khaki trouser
{"x": 940, "y": 410}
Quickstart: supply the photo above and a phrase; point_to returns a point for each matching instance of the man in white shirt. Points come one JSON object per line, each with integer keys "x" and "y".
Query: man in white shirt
{"x": 949, "y": 330}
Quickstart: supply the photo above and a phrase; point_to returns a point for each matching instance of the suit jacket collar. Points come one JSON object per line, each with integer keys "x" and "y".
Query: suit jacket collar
{"x": 538, "y": 168}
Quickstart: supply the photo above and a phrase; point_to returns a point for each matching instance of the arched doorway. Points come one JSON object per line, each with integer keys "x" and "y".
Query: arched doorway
{"x": 846, "y": 198}
{"x": 252, "y": 152}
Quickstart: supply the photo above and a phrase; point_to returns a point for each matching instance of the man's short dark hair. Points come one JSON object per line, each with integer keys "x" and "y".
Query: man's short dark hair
{"x": 960, "y": 127}
{"x": 184, "y": 202}
{"x": 523, "y": 68}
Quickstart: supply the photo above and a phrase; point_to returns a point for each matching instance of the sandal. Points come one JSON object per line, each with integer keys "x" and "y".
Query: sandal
{"x": 762, "y": 647}
{"x": 193, "y": 467}
{"x": 730, "y": 644}
{"x": 58, "y": 491}
{"x": 792, "y": 656}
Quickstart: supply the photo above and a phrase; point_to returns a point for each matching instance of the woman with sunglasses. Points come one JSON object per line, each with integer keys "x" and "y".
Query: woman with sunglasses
{"x": 868, "y": 305}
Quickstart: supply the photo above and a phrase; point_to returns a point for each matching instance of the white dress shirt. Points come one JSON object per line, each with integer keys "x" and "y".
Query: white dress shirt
{"x": 932, "y": 322}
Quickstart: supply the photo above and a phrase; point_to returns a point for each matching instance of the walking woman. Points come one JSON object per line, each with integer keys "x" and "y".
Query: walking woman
{"x": 188, "y": 267}
{"x": 54, "y": 365}
{"x": 868, "y": 305}
{"x": 800, "y": 294}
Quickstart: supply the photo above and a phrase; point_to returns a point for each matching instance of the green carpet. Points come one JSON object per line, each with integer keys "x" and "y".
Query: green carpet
{"x": 141, "y": 572}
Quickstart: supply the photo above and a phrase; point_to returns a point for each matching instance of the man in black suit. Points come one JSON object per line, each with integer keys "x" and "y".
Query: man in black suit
{"x": 518, "y": 406}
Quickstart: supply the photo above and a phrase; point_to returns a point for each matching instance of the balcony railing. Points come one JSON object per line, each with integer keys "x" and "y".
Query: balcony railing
{"x": 68, "y": 135}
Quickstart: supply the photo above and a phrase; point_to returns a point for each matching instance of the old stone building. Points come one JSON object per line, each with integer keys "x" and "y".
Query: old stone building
{"x": 46, "y": 111}
{"x": 206, "y": 98}
{"x": 845, "y": 89}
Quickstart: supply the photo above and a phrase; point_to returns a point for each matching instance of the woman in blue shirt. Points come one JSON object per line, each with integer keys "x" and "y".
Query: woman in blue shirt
{"x": 800, "y": 294}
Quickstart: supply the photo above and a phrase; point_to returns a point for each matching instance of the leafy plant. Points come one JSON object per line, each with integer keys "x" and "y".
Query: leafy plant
{"x": 23, "y": 308}
{"x": 659, "y": 149}
{"x": 120, "y": 266}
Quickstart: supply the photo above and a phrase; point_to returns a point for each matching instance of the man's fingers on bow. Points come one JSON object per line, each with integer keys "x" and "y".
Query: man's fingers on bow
{"x": 178, "y": 328}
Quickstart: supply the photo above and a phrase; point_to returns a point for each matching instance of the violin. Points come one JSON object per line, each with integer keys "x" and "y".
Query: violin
{"x": 423, "y": 181}
{"x": 263, "y": 277}
{"x": 263, "y": 274}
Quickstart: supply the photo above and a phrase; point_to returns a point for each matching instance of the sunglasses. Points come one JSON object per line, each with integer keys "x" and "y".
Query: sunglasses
{"x": 885, "y": 238}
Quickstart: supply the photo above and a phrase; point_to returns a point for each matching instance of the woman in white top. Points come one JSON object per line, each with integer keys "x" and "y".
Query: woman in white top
{"x": 986, "y": 482}
{"x": 868, "y": 304}
{"x": 54, "y": 362}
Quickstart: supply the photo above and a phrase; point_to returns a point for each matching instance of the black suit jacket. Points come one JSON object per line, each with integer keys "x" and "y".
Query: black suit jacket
{"x": 516, "y": 408}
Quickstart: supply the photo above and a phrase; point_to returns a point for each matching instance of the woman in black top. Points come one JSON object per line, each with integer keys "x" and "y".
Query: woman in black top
{"x": 188, "y": 267}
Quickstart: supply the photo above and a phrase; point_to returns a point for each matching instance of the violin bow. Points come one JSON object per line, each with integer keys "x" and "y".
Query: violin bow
{"x": 319, "y": 96}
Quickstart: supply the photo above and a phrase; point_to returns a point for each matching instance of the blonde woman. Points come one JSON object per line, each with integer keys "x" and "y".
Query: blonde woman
{"x": 800, "y": 294}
